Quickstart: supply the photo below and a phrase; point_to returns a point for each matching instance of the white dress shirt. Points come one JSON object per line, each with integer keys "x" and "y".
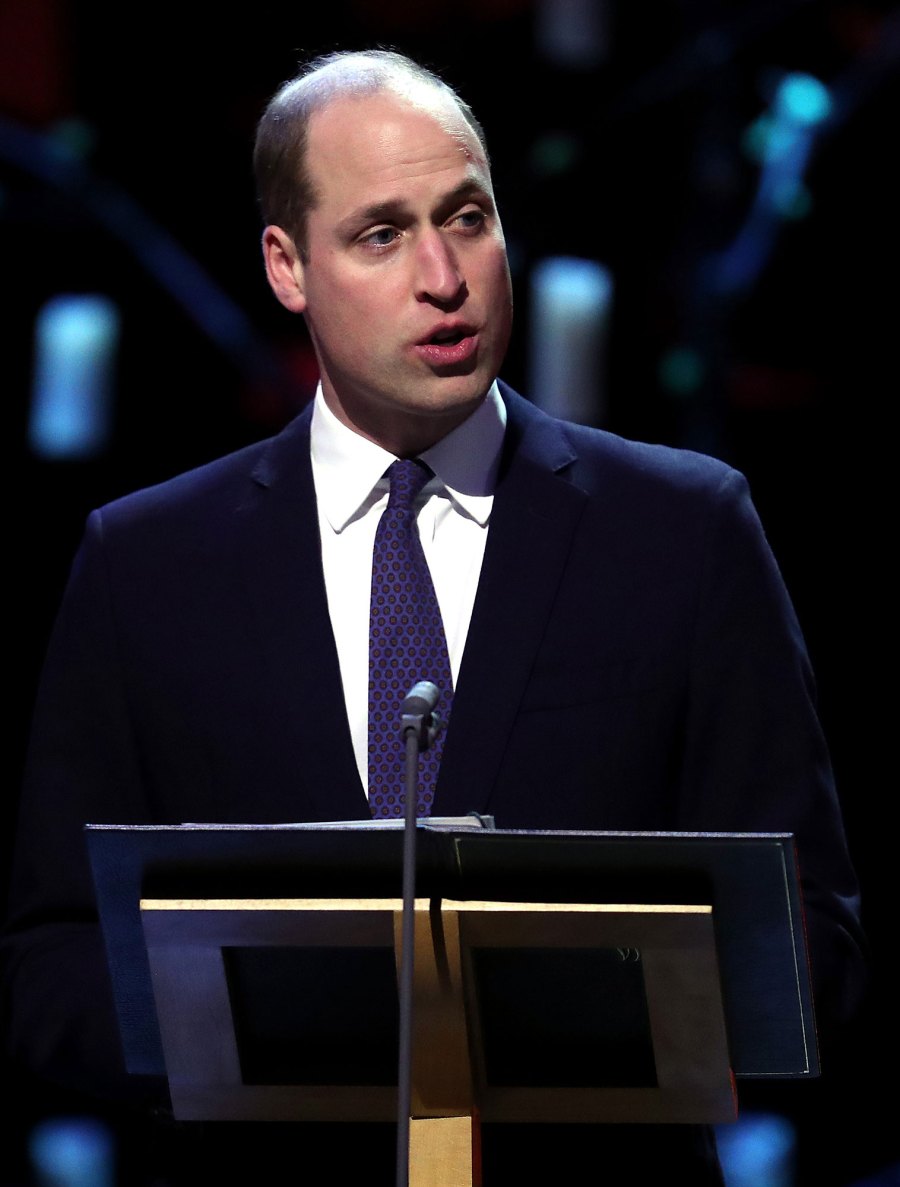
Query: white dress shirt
{"x": 453, "y": 520}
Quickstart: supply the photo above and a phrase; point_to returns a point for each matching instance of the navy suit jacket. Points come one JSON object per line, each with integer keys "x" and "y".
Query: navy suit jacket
{"x": 633, "y": 662}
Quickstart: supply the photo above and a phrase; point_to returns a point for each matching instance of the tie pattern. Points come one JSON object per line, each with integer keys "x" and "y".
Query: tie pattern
{"x": 406, "y": 644}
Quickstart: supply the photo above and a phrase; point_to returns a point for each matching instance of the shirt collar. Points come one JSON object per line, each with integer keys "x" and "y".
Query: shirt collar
{"x": 348, "y": 468}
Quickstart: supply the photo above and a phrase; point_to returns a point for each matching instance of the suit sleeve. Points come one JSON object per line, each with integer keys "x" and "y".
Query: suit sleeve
{"x": 82, "y": 768}
{"x": 755, "y": 758}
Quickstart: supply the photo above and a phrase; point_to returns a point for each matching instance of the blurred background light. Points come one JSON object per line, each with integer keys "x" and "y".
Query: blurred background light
{"x": 570, "y": 308}
{"x": 782, "y": 140}
{"x": 573, "y": 33}
{"x": 757, "y": 1150}
{"x": 76, "y": 340}
{"x": 681, "y": 371}
{"x": 803, "y": 99}
{"x": 555, "y": 154}
{"x": 72, "y": 1152}
{"x": 73, "y": 137}
{"x": 791, "y": 199}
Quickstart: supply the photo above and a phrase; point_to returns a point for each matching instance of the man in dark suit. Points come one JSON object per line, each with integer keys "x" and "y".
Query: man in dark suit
{"x": 624, "y": 654}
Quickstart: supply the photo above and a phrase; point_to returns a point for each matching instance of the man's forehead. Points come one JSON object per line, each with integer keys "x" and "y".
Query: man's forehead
{"x": 352, "y": 112}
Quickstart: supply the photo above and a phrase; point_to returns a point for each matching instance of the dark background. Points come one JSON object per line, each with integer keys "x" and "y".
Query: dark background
{"x": 121, "y": 122}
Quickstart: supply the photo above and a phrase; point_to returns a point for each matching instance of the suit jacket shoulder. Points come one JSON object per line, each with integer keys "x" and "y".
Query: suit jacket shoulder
{"x": 220, "y": 488}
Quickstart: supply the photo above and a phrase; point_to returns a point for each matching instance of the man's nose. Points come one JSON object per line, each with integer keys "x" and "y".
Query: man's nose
{"x": 438, "y": 273}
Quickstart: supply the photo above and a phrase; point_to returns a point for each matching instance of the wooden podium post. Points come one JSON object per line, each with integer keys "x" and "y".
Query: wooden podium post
{"x": 444, "y": 1138}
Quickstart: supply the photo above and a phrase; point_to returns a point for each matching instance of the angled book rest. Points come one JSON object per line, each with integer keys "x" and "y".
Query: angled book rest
{"x": 577, "y": 977}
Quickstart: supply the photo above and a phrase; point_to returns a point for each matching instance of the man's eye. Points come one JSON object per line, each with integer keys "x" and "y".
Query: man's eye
{"x": 470, "y": 220}
{"x": 380, "y": 237}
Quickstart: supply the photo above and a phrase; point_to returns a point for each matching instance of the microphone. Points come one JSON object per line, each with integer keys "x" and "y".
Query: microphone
{"x": 420, "y": 727}
{"x": 417, "y": 713}
{"x": 421, "y": 698}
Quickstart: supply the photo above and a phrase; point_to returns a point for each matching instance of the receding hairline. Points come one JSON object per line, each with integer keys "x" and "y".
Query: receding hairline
{"x": 387, "y": 101}
{"x": 358, "y": 74}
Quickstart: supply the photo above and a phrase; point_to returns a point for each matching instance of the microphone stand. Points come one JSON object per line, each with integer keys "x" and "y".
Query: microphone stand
{"x": 420, "y": 726}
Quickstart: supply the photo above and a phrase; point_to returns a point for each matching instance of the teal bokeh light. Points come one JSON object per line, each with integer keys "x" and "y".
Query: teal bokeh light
{"x": 802, "y": 99}
{"x": 681, "y": 371}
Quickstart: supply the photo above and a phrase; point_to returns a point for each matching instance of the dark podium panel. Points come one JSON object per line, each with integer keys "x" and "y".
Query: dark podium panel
{"x": 322, "y": 1012}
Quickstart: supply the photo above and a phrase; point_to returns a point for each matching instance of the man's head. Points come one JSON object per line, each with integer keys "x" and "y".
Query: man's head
{"x": 393, "y": 249}
{"x": 283, "y": 184}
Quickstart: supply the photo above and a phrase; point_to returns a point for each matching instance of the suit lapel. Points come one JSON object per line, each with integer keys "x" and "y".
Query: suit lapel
{"x": 278, "y": 543}
{"x": 533, "y": 520}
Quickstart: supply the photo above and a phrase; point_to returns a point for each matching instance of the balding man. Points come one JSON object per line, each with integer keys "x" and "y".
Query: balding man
{"x": 611, "y": 607}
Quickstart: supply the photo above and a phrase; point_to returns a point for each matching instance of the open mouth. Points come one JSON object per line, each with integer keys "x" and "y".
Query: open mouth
{"x": 448, "y": 337}
{"x": 450, "y": 347}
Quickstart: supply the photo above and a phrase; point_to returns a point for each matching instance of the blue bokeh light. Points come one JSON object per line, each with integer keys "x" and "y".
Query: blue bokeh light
{"x": 72, "y": 1152}
{"x": 76, "y": 339}
{"x": 757, "y": 1150}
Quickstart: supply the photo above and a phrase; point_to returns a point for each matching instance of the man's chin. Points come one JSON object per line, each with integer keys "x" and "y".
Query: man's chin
{"x": 454, "y": 401}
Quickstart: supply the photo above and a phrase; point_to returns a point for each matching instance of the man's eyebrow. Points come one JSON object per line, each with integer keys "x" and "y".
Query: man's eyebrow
{"x": 379, "y": 212}
{"x": 470, "y": 188}
{"x": 395, "y": 209}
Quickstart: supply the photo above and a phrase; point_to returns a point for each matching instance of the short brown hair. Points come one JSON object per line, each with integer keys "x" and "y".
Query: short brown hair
{"x": 283, "y": 184}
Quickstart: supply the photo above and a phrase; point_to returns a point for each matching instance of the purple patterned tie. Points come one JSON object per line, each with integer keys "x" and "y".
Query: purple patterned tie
{"x": 406, "y": 644}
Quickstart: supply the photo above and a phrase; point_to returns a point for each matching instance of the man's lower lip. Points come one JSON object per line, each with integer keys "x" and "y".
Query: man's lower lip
{"x": 444, "y": 354}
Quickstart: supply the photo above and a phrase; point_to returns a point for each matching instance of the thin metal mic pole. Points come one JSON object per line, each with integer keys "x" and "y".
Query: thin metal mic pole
{"x": 404, "y": 1070}
{"x": 419, "y": 724}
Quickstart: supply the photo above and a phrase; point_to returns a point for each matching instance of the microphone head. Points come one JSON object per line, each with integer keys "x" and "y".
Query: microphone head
{"x": 421, "y": 699}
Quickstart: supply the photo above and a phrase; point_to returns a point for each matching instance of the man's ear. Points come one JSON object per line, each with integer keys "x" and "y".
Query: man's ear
{"x": 284, "y": 268}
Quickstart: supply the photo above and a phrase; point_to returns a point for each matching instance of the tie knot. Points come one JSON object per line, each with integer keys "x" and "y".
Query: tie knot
{"x": 407, "y": 477}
